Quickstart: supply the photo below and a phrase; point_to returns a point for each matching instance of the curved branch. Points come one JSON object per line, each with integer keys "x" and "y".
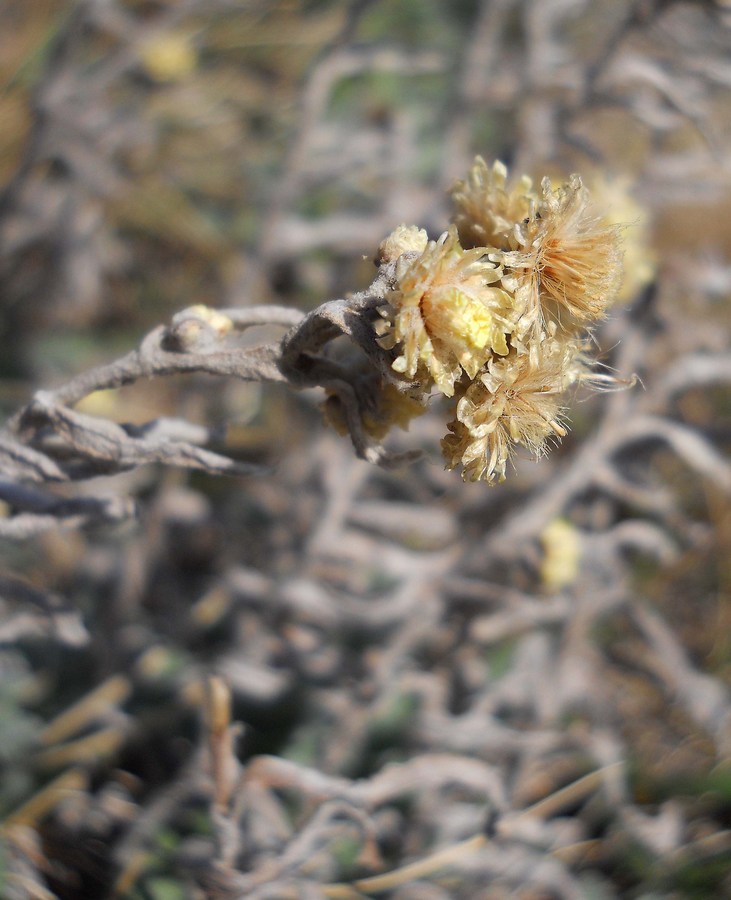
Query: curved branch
{"x": 48, "y": 441}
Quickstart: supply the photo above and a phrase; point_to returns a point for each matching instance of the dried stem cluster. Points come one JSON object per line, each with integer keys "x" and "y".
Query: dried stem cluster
{"x": 439, "y": 686}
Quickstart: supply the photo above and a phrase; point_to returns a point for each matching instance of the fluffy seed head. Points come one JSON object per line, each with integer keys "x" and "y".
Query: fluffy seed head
{"x": 567, "y": 264}
{"x": 515, "y": 401}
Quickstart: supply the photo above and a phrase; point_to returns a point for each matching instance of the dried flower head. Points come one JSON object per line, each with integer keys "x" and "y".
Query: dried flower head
{"x": 515, "y": 401}
{"x": 566, "y": 265}
{"x": 384, "y": 405}
{"x": 446, "y": 314}
{"x": 392, "y": 407}
{"x": 486, "y": 209}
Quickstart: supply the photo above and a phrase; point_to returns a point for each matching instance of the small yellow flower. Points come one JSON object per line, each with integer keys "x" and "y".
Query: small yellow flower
{"x": 566, "y": 265}
{"x": 515, "y": 400}
{"x": 486, "y": 209}
{"x": 446, "y": 316}
{"x": 218, "y": 321}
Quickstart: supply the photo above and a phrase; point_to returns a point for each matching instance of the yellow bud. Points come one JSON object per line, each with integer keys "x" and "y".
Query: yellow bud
{"x": 169, "y": 57}
{"x": 562, "y": 554}
{"x": 404, "y": 239}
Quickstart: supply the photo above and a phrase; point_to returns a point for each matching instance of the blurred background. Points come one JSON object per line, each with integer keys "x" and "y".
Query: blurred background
{"x": 409, "y": 657}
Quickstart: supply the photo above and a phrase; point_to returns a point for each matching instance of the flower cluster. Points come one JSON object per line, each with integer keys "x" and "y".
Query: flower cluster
{"x": 494, "y": 314}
